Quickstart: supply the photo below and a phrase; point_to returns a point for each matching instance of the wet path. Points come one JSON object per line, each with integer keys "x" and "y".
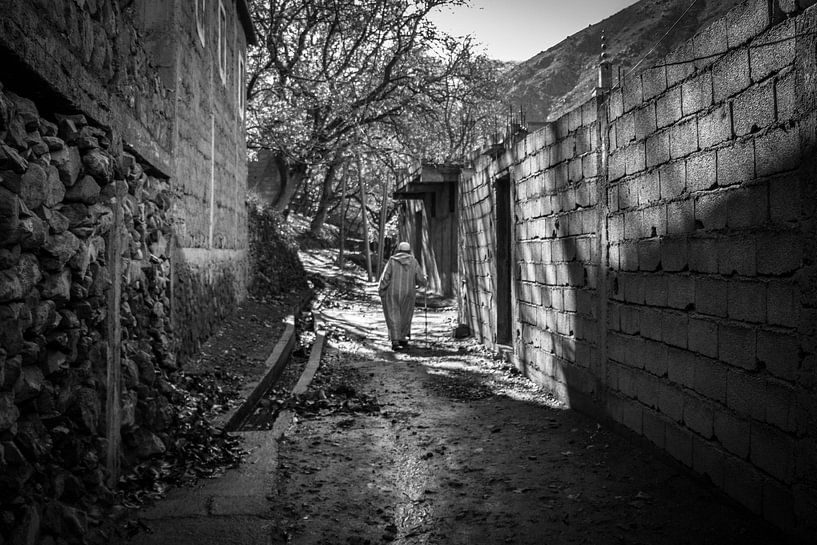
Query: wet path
{"x": 463, "y": 451}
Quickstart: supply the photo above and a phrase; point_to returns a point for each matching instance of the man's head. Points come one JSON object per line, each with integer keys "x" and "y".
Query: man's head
{"x": 403, "y": 247}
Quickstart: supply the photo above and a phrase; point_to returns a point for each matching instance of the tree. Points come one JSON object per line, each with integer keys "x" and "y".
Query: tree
{"x": 330, "y": 69}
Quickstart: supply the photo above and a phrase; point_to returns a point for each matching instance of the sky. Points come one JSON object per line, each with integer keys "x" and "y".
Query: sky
{"x": 516, "y": 30}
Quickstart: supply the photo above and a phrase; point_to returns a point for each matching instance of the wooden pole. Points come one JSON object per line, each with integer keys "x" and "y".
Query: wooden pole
{"x": 381, "y": 238}
{"x": 365, "y": 220}
{"x": 114, "y": 383}
{"x": 343, "y": 209}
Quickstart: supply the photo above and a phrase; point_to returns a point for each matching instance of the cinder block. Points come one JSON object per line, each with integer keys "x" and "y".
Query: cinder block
{"x": 783, "y": 304}
{"x": 710, "y": 296}
{"x": 654, "y": 82}
{"x": 615, "y": 227}
{"x": 616, "y": 165}
{"x": 651, "y": 323}
{"x": 710, "y": 379}
{"x": 715, "y": 127}
{"x": 625, "y": 129}
{"x": 678, "y": 65}
{"x": 635, "y": 158}
{"x": 773, "y": 452}
{"x": 649, "y": 255}
{"x": 681, "y": 292}
{"x": 747, "y": 20}
{"x": 654, "y": 221}
{"x": 668, "y": 108}
{"x": 737, "y": 255}
{"x": 644, "y": 121}
{"x": 671, "y": 402}
{"x": 730, "y": 75}
{"x": 590, "y": 165}
{"x": 655, "y": 290}
{"x": 736, "y": 163}
{"x": 774, "y": 51}
{"x": 710, "y": 211}
{"x": 737, "y": 346}
{"x": 675, "y": 328}
{"x": 680, "y": 217}
{"x": 632, "y": 286}
{"x": 629, "y": 256}
{"x": 703, "y": 337}
{"x": 779, "y": 353}
{"x": 630, "y": 320}
{"x": 744, "y": 484}
{"x": 778, "y": 151}
{"x": 703, "y": 255}
{"x": 633, "y": 226}
{"x": 631, "y": 416}
{"x": 616, "y": 104}
{"x": 701, "y": 171}
{"x": 696, "y": 94}
{"x": 683, "y": 138}
{"x": 780, "y": 401}
{"x": 658, "y": 148}
{"x": 744, "y": 391}
{"x": 779, "y": 253}
{"x": 674, "y": 252}
{"x": 679, "y": 444}
{"x": 626, "y": 197}
{"x": 647, "y": 187}
{"x": 708, "y": 460}
{"x": 672, "y": 177}
{"x": 753, "y": 109}
{"x": 681, "y": 367}
{"x": 785, "y": 199}
{"x": 699, "y": 416}
{"x": 733, "y": 433}
{"x": 710, "y": 43}
{"x": 647, "y": 389}
{"x": 632, "y": 92}
{"x": 778, "y": 504}
{"x": 748, "y": 206}
{"x": 654, "y": 428}
{"x": 655, "y": 356}
{"x": 747, "y": 301}
{"x": 786, "y": 98}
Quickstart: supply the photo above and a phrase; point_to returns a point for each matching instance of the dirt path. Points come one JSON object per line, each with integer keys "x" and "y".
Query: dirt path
{"x": 463, "y": 451}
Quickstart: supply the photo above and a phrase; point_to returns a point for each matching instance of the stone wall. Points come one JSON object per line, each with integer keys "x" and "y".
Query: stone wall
{"x": 60, "y": 180}
{"x": 663, "y": 235}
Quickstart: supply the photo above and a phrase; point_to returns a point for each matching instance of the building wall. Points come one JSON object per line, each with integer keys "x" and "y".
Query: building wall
{"x": 662, "y": 250}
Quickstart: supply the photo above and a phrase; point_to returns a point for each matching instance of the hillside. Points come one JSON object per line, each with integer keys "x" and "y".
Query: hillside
{"x": 554, "y": 81}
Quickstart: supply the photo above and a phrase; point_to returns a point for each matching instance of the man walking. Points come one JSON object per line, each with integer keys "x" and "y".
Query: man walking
{"x": 397, "y": 292}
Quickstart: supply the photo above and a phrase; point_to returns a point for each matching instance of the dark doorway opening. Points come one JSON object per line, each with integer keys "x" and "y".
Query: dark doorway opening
{"x": 418, "y": 236}
{"x": 503, "y": 261}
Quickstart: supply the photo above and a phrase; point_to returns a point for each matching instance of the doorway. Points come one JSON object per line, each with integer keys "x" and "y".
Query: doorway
{"x": 504, "y": 267}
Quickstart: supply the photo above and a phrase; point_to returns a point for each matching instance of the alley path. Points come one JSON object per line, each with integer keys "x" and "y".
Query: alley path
{"x": 464, "y": 451}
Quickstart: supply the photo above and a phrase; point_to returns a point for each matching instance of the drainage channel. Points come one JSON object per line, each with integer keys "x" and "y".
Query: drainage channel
{"x": 269, "y": 406}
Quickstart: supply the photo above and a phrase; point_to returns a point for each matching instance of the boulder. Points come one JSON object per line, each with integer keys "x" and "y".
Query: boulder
{"x": 9, "y": 217}
{"x": 99, "y": 165}
{"x": 62, "y": 246}
{"x": 29, "y": 384}
{"x": 32, "y": 232}
{"x": 57, "y": 222}
{"x": 10, "y": 287}
{"x": 86, "y": 190}
{"x": 27, "y": 111}
{"x": 68, "y": 163}
{"x": 77, "y": 214}
{"x": 11, "y": 181}
{"x": 9, "y": 257}
{"x": 33, "y": 186}
{"x": 9, "y": 413}
{"x": 58, "y": 287}
{"x": 54, "y": 189}
{"x": 10, "y": 159}
{"x": 28, "y": 271}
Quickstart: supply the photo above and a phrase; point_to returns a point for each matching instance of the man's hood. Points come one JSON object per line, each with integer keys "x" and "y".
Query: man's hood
{"x": 403, "y": 259}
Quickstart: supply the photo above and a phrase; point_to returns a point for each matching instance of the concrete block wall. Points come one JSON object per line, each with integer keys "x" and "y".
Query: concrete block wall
{"x": 693, "y": 321}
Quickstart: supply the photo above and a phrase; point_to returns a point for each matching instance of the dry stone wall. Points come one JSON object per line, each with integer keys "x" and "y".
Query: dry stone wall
{"x": 664, "y": 251}
{"x": 60, "y": 180}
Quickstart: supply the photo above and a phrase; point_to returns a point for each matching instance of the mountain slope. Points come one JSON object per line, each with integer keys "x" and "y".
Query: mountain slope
{"x": 559, "y": 79}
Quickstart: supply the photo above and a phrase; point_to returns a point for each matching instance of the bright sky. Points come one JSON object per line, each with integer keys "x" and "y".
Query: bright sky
{"x": 516, "y": 30}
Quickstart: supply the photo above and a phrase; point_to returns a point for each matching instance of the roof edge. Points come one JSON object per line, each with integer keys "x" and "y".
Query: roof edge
{"x": 246, "y": 22}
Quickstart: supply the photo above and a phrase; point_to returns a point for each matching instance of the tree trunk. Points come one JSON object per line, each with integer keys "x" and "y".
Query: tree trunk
{"x": 291, "y": 180}
{"x": 323, "y": 204}
{"x": 365, "y": 221}
{"x": 381, "y": 237}
{"x": 343, "y": 208}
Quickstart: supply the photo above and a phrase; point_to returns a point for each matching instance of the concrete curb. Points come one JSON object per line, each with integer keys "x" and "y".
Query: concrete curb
{"x": 252, "y": 392}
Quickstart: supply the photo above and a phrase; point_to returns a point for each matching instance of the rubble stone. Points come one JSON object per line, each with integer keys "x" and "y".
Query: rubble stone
{"x": 99, "y": 165}
{"x": 9, "y": 413}
{"x": 68, "y": 163}
{"x": 29, "y": 384}
{"x": 33, "y": 186}
{"x": 58, "y": 287}
{"x": 62, "y": 246}
{"x": 86, "y": 190}
{"x": 9, "y": 158}
{"x": 55, "y": 189}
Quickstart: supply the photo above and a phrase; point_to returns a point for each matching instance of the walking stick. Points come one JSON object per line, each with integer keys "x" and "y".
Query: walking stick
{"x": 425, "y": 312}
